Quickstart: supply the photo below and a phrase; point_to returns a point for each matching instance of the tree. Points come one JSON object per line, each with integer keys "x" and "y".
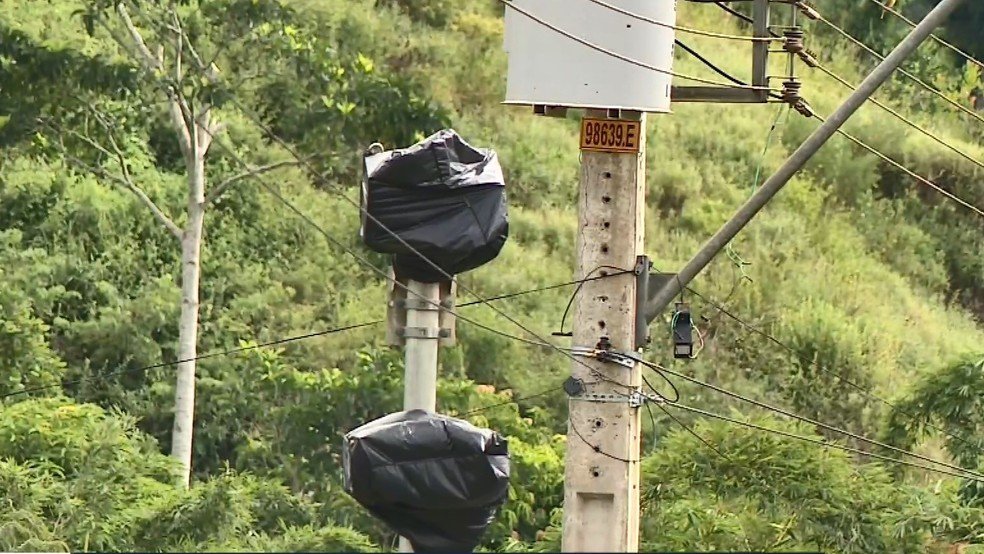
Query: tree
{"x": 950, "y": 399}
{"x": 158, "y": 41}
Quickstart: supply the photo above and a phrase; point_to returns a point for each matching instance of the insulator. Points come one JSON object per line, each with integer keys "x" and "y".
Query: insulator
{"x": 804, "y": 109}
{"x": 809, "y": 59}
{"x": 808, "y": 10}
{"x": 791, "y": 92}
{"x": 793, "y": 41}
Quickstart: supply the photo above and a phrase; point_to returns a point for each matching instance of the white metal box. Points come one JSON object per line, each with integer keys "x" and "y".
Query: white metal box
{"x": 548, "y": 68}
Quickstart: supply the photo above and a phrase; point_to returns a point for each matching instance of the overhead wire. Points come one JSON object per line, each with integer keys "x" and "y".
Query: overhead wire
{"x": 161, "y": 365}
{"x": 936, "y": 138}
{"x": 680, "y": 28}
{"x": 825, "y": 444}
{"x": 845, "y": 83}
{"x": 804, "y": 419}
{"x": 933, "y": 36}
{"x": 616, "y": 55}
{"x": 813, "y": 363}
{"x": 886, "y": 158}
{"x": 935, "y": 91}
{"x": 911, "y": 173}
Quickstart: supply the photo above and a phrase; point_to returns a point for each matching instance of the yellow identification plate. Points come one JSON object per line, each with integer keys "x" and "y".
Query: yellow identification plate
{"x": 610, "y": 135}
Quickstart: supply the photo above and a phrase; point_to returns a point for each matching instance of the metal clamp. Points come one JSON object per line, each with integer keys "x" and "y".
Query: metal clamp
{"x": 604, "y": 355}
{"x": 634, "y": 399}
{"x": 424, "y": 333}
{"x": 421, "y": 305}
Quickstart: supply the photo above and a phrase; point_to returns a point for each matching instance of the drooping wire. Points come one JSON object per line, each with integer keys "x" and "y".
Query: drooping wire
{"x": 805, "y": 419}
{"x": 587, "y": 278}
{"x": 717, "y": 69}
{"x": 826, "y": 444}
{"x": 597, "y": 449}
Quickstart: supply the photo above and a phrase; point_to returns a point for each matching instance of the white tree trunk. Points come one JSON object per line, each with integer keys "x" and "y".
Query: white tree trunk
{"x": 184, "y": 391}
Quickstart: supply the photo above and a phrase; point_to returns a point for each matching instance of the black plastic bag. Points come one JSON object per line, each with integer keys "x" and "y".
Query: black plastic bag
{"x": 444, "y": 198}
{"x": 433, "y": 479}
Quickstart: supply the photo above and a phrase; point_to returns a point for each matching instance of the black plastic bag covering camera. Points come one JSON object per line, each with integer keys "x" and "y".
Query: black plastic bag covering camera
{"x": 444, "y": 198}
{"x": 433, "y": 479}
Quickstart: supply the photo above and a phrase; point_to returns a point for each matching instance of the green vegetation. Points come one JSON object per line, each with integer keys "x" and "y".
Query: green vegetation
{"x": 856, "y": 267}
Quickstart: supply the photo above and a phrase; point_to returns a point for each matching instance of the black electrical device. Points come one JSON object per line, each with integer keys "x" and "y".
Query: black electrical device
{"x": 683, "y": 336}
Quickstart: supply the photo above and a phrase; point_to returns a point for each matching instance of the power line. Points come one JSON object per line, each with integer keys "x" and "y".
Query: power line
{"x": 805, "y": 419}
{"x": 839, "y": 376}
{"x": 162, "y": 365}
{"x": 824, "y": 444}
{"x": 903, "y": 71}
{"x": 616, "y": 55}
{"x": 680, "y": 28}
{"x": 908, "y": 171}
{"x": 935, "y": 37}
{"x": 902, "y": 118}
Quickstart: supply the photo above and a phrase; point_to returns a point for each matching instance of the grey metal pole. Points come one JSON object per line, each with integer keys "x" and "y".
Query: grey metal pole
{"x": 799, "y": 158}
{"x": 420, "y": 371}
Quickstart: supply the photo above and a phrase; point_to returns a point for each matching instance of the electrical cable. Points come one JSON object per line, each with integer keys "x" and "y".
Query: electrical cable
{"x": 570, "y": 303}
{"x": 805, "y": 419}
{"x": 717, "y": 69}
{"x": 516, "y": 401}
{"x": 679, "y": 28}
{"x": 162, "y": 365}
{"x": 676, "y": 391}
{"x": 754, "y": 329}
{"x": 908, "y": 171}
{"x": 823, "y": 443}
{"x": 902, "y": 118}
{"x": 935, "y": 37}
{"x": 541, "y": 289}
{"x": 738, "y": 14}
{"x": 614, "y": 54}
{"x": 597, "y": 448}
{"x": 903, "y": 71}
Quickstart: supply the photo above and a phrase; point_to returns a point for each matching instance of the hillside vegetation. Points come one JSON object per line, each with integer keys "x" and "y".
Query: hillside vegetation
{"x": 872, "y": 283}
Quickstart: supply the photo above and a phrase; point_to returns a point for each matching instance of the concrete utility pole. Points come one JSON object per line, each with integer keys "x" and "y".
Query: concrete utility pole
{"x": 558, "y": 60}
{"x": 422, "y": 334}
{"x": 802, "y": 155}
{"x": 601, "y": 493}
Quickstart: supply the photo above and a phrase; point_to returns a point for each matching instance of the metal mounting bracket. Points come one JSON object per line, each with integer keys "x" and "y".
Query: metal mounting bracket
{"x": 604, "y": 355}
{"x": 635, "y": 399}
{"x": 420, "y": 305}
{"x": 647, "y": 285}
{"x": 424, "y": 333}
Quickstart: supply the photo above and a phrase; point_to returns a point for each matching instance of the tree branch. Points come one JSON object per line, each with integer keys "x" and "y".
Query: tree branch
{"x": 125, "y": 180}
{"x": 176, "y": 103}
{"x": 219, "y": 189}
{"x": 150, "y": 61}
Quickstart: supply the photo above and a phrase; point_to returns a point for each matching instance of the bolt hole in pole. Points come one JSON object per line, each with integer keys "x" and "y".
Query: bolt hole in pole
{"x": 604, "y": 248}
{"x": 607, "y": 175}
{"x": 596, "y": 473}
{"x": 601, "y": 324}
{"x": 607, "y": 225}
{"x": 606, "y": 199}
